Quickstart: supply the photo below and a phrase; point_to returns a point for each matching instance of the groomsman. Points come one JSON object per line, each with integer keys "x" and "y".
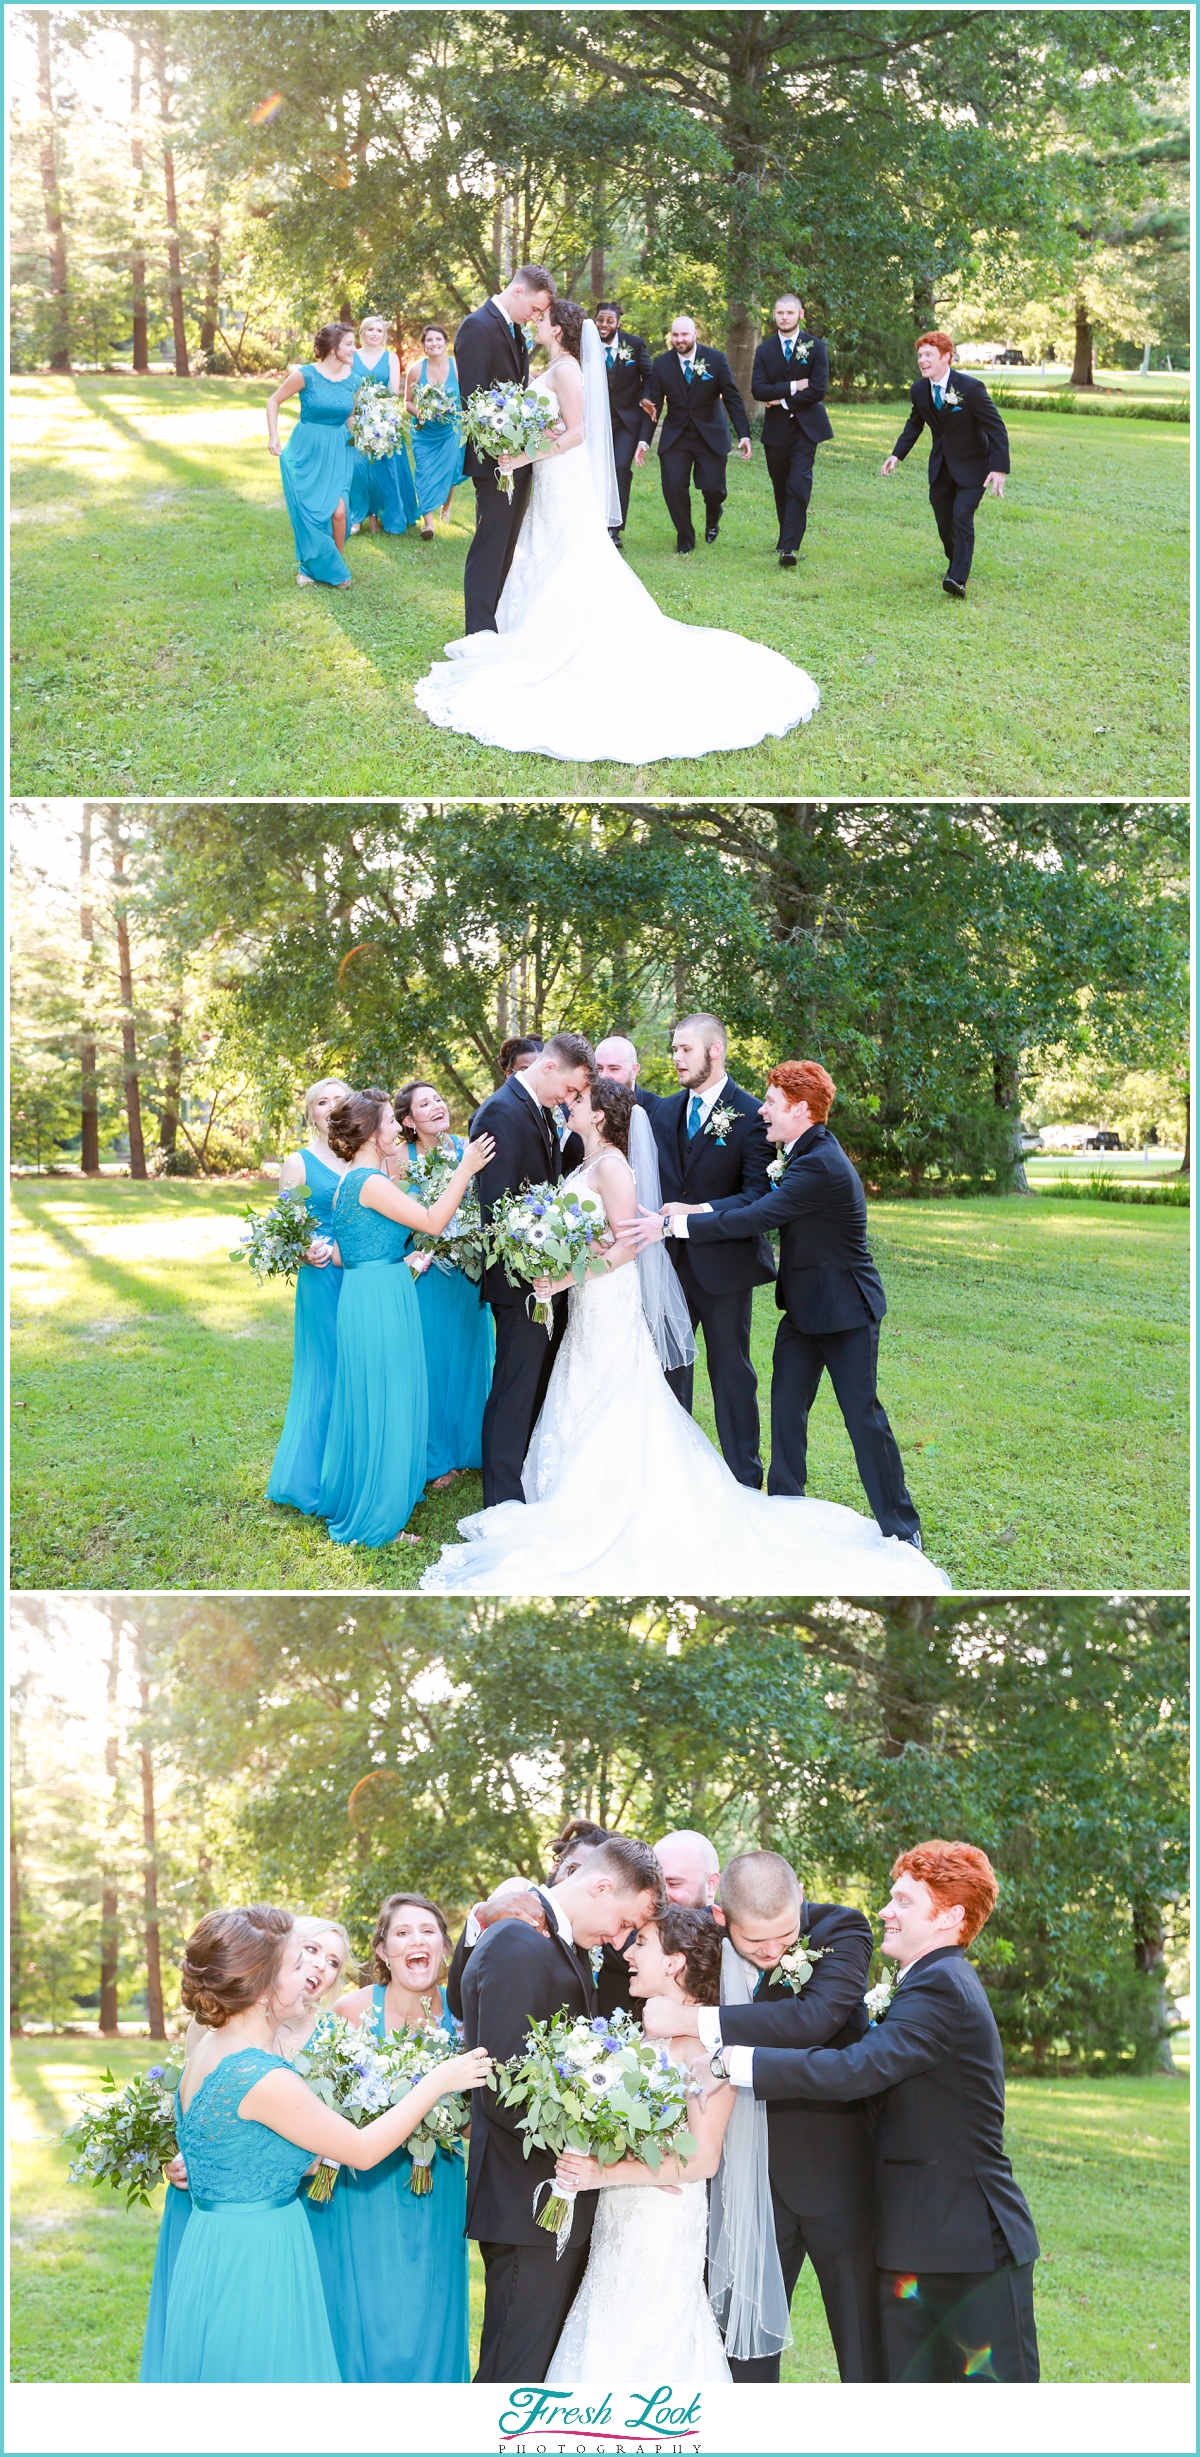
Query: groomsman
{"x": 955, "y": 2243}
{"x": 630, "y": 374}
{"x": 691, "y": 1869}
{"x": 821, "y": 2171}
{"x": 791, "y": 375}
{"x": 969, "y": 458}
{"x": 697, "y": 384}
{"x": 712, "y": 1148}
{"x": 828, "y": 1289}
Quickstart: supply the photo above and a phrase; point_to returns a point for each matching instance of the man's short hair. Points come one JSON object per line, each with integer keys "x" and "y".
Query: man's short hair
{"x": 803, "y": 1080}
{"x": 632, "y": 1866}
{"x": 940, "y": 342}
{"x": 570, "y": 1049}
{"x": 612, "y": 307}
{"x": 533, "y": 277}
{"x": 793, "y": 295}
{"x": 756, "y": 1885}
{"x": 709, "y": 1027}
{"x": 954, "y": 1873}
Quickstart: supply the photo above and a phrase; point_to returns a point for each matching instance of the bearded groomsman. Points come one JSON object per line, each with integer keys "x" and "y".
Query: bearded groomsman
{"x": 697, "y": 384}
{"x": 969, "y": 458}
{"x": 630, "y": 375}
{"x": 791, "y": 375}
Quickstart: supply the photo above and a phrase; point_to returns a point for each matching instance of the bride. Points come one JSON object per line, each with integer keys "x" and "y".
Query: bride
{"x": 583, "y": 665}
{"x": 624, "y": 1495}
{"x": 642, "y": 2309}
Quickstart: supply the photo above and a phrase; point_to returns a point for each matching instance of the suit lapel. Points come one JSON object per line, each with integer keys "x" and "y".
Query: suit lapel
{"x": 514, "y": 345}
{"x": 577, "y": 1959}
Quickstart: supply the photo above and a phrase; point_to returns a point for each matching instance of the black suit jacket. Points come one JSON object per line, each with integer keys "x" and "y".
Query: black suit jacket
{"x": 696, "y": 411}
{"x": 514, "y": 1977}
{"x": 827, "y": 1279}
{"x": 526, "y": 1154}
{"x": 970, "y": 440}
{"x": 487, "y": 351}
{"x": 773, "y": 373}
{"x": 822, "y": 2156}
{"x": 699, "y": 1169}
{"x": 612, "y": 1985}
{"x": 629, "y": 382}
{"x": 940, "y": 2163}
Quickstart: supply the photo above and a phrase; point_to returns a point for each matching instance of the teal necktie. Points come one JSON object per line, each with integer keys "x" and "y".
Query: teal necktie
{"x": 688, "y": 373}
{"x": 937, "y": 396}
{"x": 611, "y": 353}
{"x": 695, "y": 1105}
{"x": 788, "y": 347}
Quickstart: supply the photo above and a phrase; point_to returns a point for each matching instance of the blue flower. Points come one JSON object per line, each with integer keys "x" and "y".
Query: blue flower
{"x": 138, "y": 2158}
{"x": 156, "y": 2073}
{"x": 612, "y": 2044}
{"x": 600, "y": 2025}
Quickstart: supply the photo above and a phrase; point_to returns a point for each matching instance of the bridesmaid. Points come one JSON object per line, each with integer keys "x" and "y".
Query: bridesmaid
{"x": 437, "y": 448}
{"x": 406, "y": 2318}
{"x": 317, "y": 462}
{"x": 296, "y": 1470}
{"x": 373, "y": 1471}
{"x": 456, "y": 1326}
{"x": 382, "y": 490}
{"x": 246, "y": 2302}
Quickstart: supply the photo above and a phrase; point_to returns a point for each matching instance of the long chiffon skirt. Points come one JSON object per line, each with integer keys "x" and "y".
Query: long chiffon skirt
{"x": 373, "y": 1471}
{"x": 295, "y": 1476}
{"x": 394, "y": 2268}
{"x": 460, "y": 1352}
{"x": 246, "y": 2301}
{"x": 176, "y": 2211}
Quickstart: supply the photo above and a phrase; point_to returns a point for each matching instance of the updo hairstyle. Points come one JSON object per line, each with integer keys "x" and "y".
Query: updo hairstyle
{"x": 696, "y": 1936}
{"x": 402, "y": 1102}
{"x": 519, "y": 1045}
{"x": 326, "y": 341}
{"x": 615, "y": 1102}
{"x": 380, "y": 1969}
{"x": 231, "y": 1959}
{"x": 355, "y": 1119}
{"x": 567, "y": 319}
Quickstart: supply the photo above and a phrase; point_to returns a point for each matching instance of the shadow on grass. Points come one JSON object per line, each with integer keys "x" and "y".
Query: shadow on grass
{"x": 177, "y": 464}
{"x": 117, "y": 1277}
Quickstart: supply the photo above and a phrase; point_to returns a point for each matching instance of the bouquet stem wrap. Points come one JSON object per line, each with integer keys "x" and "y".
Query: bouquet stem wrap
{"x": 558, "y": 2216}
{"x": 321, "y": 2185}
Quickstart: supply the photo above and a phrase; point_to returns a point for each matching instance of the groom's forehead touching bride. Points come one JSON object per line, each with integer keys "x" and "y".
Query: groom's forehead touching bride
{"x": 619, "y": 1887}
{"x": 760, "y": 1905}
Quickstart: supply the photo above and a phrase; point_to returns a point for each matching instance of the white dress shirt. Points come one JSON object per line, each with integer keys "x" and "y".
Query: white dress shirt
{"x": 559, "y": 1916}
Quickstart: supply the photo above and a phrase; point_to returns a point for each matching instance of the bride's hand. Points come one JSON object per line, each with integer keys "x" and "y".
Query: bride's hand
{"x": 478, "y": 1153}
{"x": 583, "y": 2174}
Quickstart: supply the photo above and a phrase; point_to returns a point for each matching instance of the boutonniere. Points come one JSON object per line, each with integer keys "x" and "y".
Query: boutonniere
{"x": 776, "y": 1167}
{"x": 596, "y": 1958}
{"x": 952, "y": 400}
{"x": 795, "y": 1968}
{"x": 624, "y": 356}
{"x": 878, "y": 1998}
{"x": 800, "y": 352}
{"x": 719, "y": 1121}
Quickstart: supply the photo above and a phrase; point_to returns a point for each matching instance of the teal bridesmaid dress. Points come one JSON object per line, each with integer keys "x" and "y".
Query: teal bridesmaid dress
{"x": 460, "y": 1352}
{"x": 384, "y": 487}
{"x": 373, "y": 1470}
{"x": 176, "y": 2211}
{"x": 394, "y": 2262}
{"x": 317, "y": 469}
{"x": 245, "y": 2300}
{"x": 438, "y": 452}
{"x": 295, "y": 1476}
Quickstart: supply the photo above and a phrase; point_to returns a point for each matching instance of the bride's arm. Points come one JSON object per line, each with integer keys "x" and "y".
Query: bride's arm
{"x": 613, "y": 1181}
{"x": 568, "y": 390}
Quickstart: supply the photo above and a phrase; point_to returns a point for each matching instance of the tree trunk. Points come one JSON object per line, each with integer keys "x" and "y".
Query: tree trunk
{"x": 1083, "y": 371}
{"x": 56, "y": 245}
{"x": 168, "y": 1116}
{"x": 89, "y": 1107}
{"x": 212, "y": 295}
{"x": 137, "y": 266}
{"x": 1006, "y": 1083}
{"x": 1185, "y": 1165}
{"x": 924, "y": 305}
{"x": 110, "y": 1936}
{"x": 154, "y": 1994}
{"x": 1149, "y": 1954}
{"x": 174, "y": 264}
{"x": 133, "y": 1097}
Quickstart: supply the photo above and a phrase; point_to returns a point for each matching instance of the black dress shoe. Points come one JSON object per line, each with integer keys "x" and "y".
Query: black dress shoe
{"x": 788, "y": 562}
{"x": 681, "y": 549}
{"x": 711, "y": 535}
{"x": 954, "y": 588}
{"x": 915, "y": 1542}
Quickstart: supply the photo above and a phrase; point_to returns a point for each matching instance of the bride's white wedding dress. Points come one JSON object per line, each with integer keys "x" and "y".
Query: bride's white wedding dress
{"x": 584, "y": 666}
{"x": 641, "y": 2312}
{"x": 624, "y": 1495}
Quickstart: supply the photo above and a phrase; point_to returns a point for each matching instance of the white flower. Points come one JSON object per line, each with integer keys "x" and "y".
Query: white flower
{"x": 776, "y": 1167}
{"x": 719, "y": 1121}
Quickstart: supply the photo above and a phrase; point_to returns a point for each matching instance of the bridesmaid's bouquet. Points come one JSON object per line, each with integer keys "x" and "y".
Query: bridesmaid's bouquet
{"x": 602, "y": 2089}
{"x": 275, "y": 1242}
{"x": 546, "y": 1230}
{"x": 507, "y": 418}
{"x": 377, "y": 422}
{"x": 127, "y": 2137}
{"x": 360, "y": 2077}
{"x": 462, "y": 1244}
{"x": 433, "y": 404}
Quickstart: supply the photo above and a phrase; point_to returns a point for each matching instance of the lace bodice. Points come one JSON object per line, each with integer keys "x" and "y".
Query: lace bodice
{"x": 323, "y": 403}
{"x": 365, "y": 1236}
{"x": 322, "y": 1183}
{"x": 231, "y": 2157}
{"x": 642, "y": 2310}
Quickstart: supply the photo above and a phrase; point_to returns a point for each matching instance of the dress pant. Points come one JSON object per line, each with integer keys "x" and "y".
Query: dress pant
{"x": 960, "y": 2327}
{"x": 524, "y": 1358}
{"x": 527, "y": 2296}
{"x": 791, "y": 472}
{"x": 676, "y": 466}
{"x": 725, "y": 1322}
{"x": 624, "y": 447}
{"x": 851, "y": 1359}
{"x": 841, "y": 2248}
{"x": 497, "y": 528}
{"x": 954, "y": 509}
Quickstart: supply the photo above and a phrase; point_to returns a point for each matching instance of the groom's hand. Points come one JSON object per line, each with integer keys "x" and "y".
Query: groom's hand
{"x": 889, "y": 465}
{"x": 993, "y": 484}
{"x": 646, "y": 1230}
{"x": 639, "y": 458}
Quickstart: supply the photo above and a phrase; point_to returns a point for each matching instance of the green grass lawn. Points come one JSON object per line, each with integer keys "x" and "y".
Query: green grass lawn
{"x": 1104, "y": 2164}
{"x": 161, "y": 646}
{"x": 1034, "y": 1364}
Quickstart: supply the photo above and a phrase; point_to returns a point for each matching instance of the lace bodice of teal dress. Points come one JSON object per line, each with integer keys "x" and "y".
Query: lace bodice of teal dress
{"x": 324, "y": 402}
{"x": 231, "y": 2157}
{"x": 365, "y": 1236}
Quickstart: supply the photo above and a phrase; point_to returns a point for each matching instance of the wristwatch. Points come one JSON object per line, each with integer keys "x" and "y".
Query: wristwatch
{"x": 717, "y": 2065}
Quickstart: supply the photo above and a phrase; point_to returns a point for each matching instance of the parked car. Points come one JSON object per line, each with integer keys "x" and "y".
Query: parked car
{"x": 1009, "y": 358}
{"x": 1103, "y": 1143}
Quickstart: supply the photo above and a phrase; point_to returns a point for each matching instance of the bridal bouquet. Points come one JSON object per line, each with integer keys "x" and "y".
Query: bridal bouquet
{"x": 432, "y": 404}
{"x": 547, "y": 1230}
{"x": 462, "y": 1244}
{"x": 507, "y": 418}
{"x": 377, "y": 422}
{"x": 127, "y": 2137}
{"x": 360, "y": 2077}
{"x": 275, "y": 1242}
{"x": 600, "y": 2088}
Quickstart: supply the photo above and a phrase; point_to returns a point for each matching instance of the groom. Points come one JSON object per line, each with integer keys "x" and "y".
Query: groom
{"x": 520, "y": 1117}
{"x": 515, "y": 1976}
{"x": 490, "y": 348}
